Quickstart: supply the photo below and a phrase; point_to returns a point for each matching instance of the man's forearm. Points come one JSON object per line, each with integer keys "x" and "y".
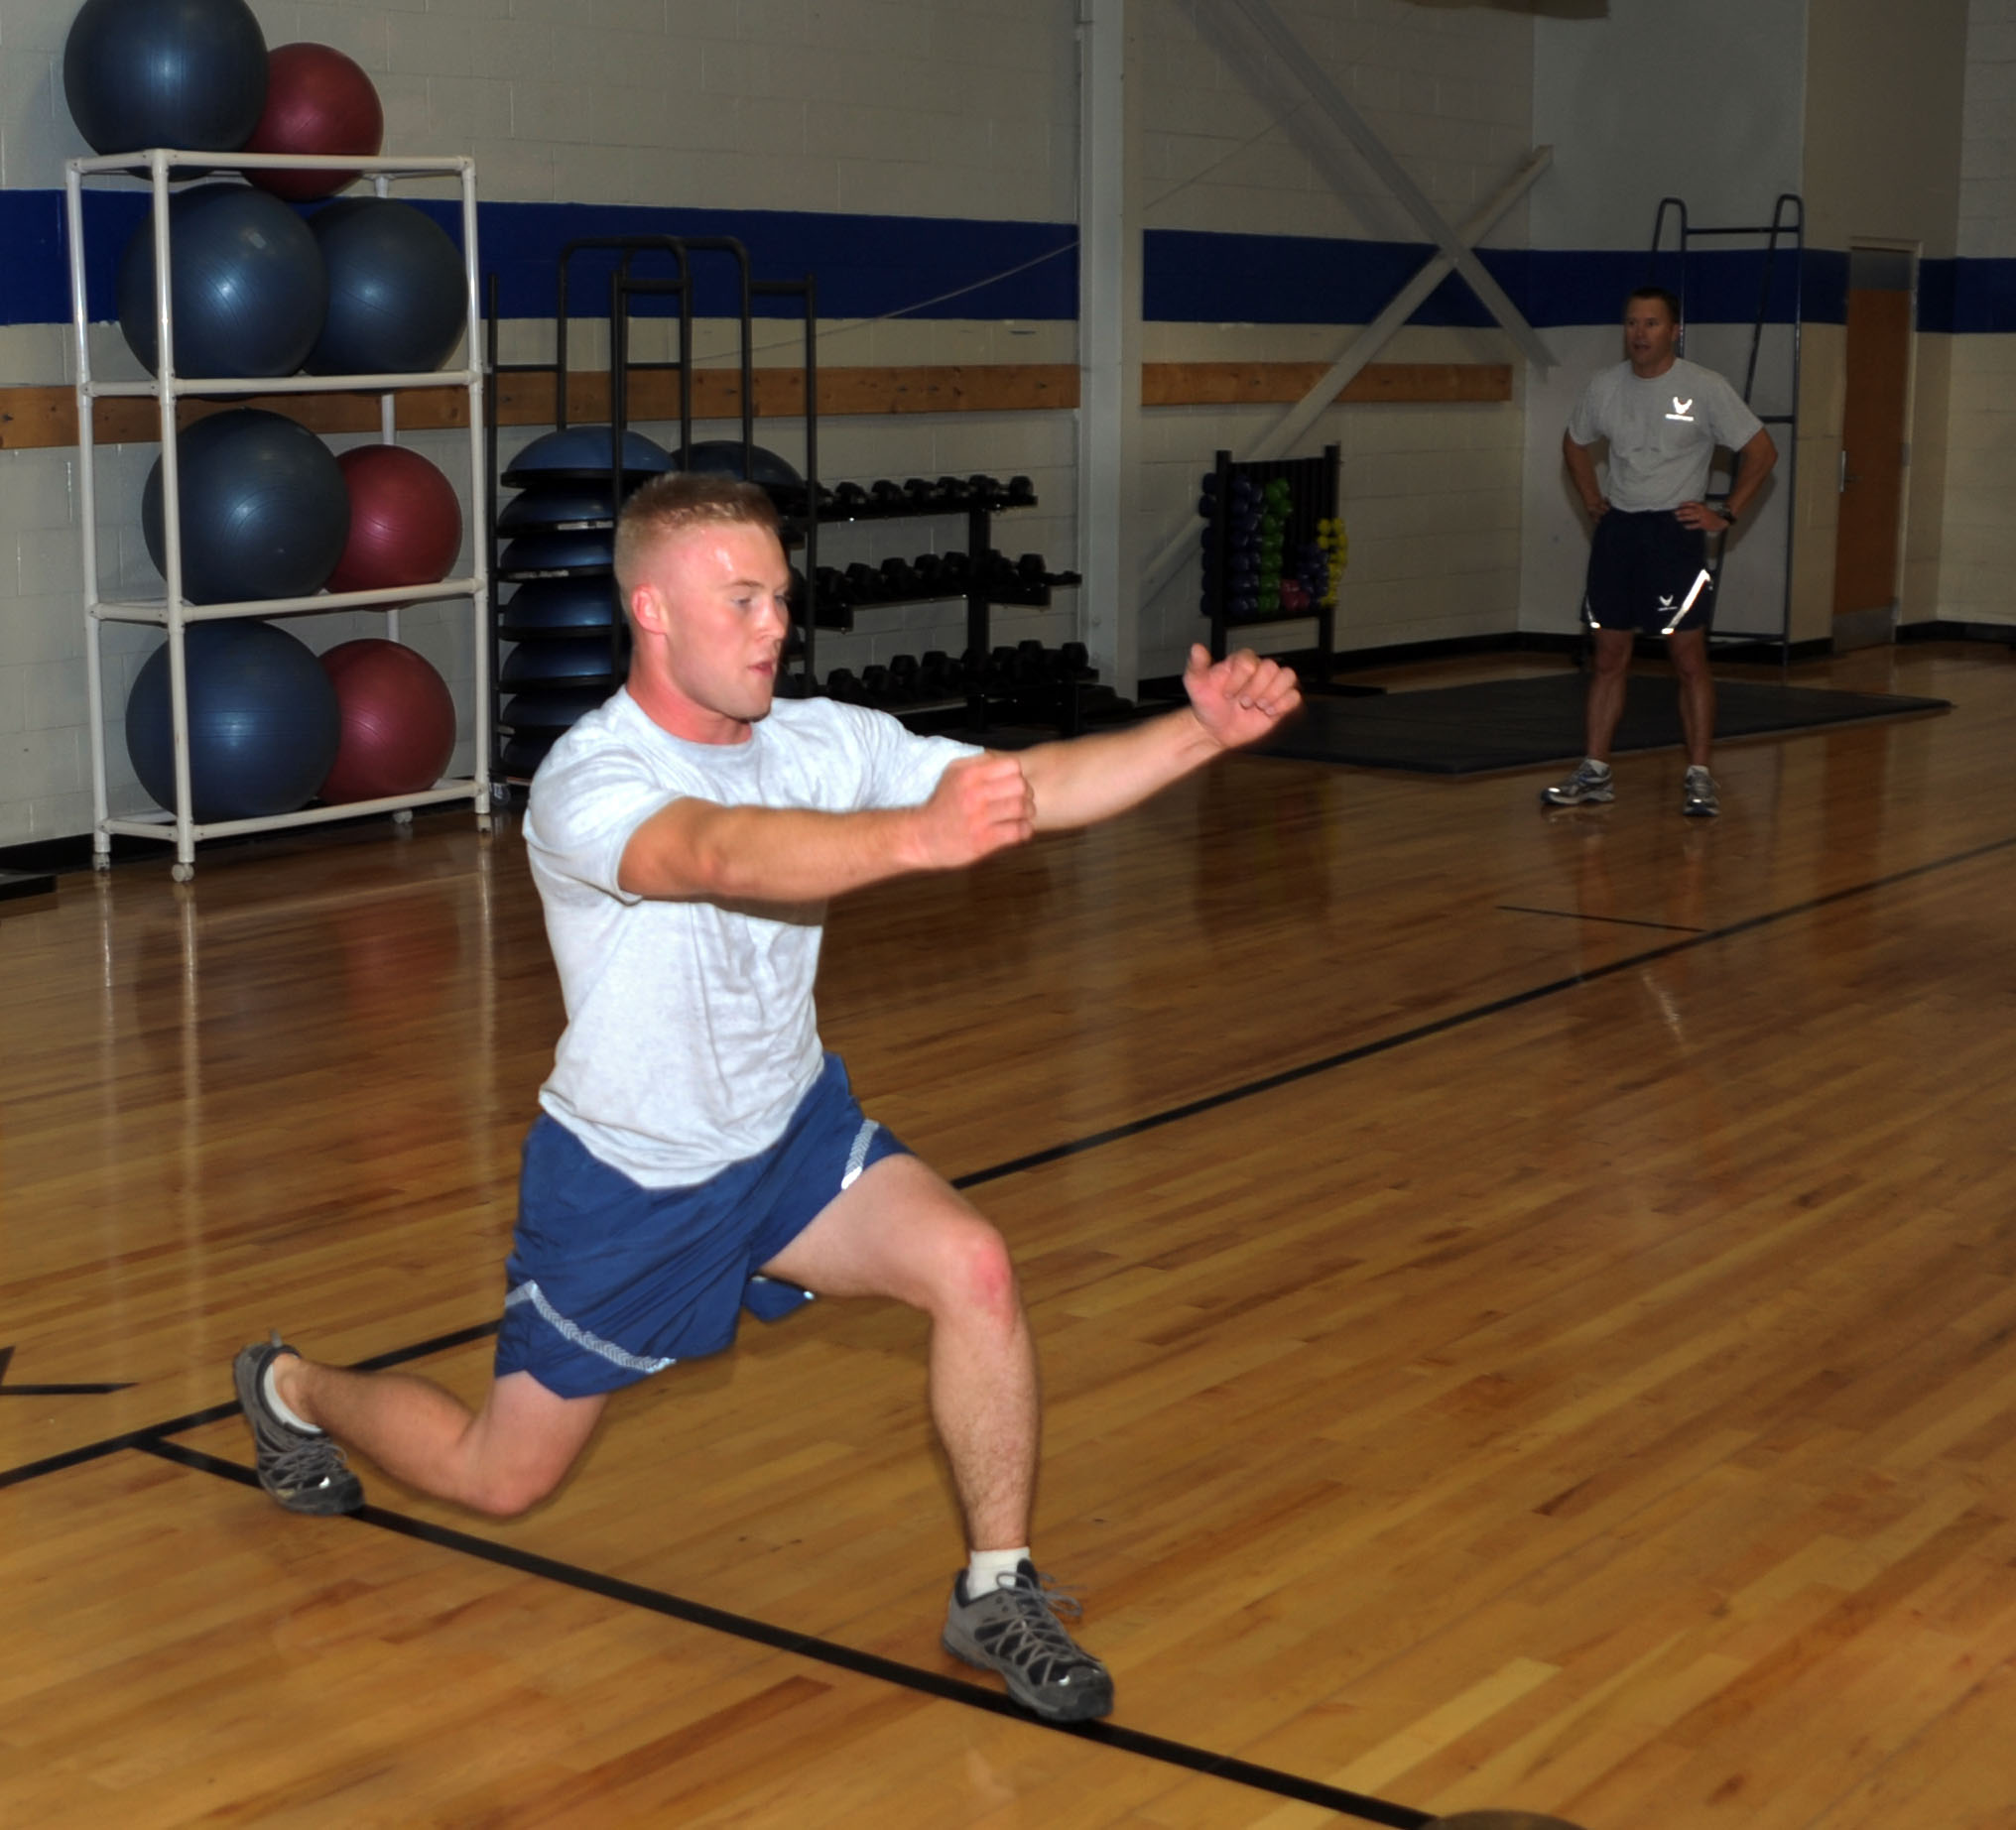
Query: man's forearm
{"x": 1091, "y": 778}
{"x": 694, "y": 848}
{"x": 1756, "y": 461}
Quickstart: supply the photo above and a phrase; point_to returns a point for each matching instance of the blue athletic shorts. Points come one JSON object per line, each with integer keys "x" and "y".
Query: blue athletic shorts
{"x": 1646, "y": 574}
{"x": 610, "y": 1282}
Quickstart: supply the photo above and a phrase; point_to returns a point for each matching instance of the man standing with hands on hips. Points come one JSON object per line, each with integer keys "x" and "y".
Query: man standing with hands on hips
{"x": 1662, "y": 418}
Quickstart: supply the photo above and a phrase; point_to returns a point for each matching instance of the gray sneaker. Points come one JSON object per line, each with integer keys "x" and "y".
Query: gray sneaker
{"x": 302, "y": 1469}
{"x": 1589, "y": 783}
{"x": 1698, "y": 794}
{"x": 1015, "y": 1631}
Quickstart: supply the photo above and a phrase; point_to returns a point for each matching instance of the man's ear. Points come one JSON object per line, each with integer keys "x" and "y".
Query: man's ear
{"x": 647, "y": 607}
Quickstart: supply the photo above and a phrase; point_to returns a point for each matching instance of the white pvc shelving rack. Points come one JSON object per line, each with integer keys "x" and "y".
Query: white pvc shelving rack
{"x": 171, "y": 612}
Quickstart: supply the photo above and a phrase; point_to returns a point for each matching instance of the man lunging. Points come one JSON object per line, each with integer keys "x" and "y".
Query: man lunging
{"x": 696, "y": 1152}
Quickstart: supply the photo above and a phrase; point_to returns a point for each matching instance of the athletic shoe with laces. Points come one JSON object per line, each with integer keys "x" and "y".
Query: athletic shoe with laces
{"x": 1589, "y": 783}
{"x": 1015, "y": 1631}
{"x": 300, "y": 1468}
{"x": 1697, "y": 797}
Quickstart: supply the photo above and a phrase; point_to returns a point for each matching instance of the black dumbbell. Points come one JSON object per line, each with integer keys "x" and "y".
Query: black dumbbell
{"x": 843, "y": 685}
{"x": 849, "y": 495}
{"x": 930, "y": 570}
{"x": 1021, "y": 492}
{"x": 866, "y": 584}
{"x": 1032, "y": 661}
{"x": 955, "y": 569}
{"x": 875, "y": 685}
{"x": 899, "y": 578}
{"x": 833, "y": 587}
{"x": 938, "y": 675}
{"x": 985, "y": 489}
{"x": 903, "y": 672}
{"x": 1032, "y": 569}
{"x": 922, "y": 493}
{"x": 953, "y": 491}
{"x": 1073, "y": 659}
{"x": 885, "y": 494}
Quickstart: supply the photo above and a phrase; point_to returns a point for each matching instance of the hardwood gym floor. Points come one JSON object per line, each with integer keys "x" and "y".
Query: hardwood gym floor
{"x": 1528, "y": 1304}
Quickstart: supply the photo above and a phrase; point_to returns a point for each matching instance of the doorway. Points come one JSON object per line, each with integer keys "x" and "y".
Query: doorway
{"x": 1883, "y": 292}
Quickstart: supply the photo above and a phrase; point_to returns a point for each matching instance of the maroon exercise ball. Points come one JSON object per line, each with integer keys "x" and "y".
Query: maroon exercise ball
{"x": 406, "y": 525}
{"x": 317, "y": 101}
{"x": 399, "y": 721}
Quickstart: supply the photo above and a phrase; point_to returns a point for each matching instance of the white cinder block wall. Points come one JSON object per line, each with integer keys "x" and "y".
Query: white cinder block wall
{"x": 1430, "y": 493}
{"x": 942, "y": 108}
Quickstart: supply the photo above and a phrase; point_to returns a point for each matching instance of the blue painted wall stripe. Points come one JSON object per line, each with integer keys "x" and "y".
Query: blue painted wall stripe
{"x": 935, "y": 267}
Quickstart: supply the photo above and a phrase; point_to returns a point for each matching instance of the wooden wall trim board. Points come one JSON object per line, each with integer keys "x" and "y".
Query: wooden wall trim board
{"x": 39, "y": 418}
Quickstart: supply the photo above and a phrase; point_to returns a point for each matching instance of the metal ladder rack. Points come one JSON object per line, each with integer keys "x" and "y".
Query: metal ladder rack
{"x": 1787, "y": 227}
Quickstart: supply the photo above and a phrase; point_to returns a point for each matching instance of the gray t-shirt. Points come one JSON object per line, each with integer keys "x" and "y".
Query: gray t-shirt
{"x": 1663, "y": 433}
{"x": 690, "y": 1030}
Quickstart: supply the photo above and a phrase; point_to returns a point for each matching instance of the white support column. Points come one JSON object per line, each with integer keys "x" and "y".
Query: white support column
{"x": 1109, "y": 346}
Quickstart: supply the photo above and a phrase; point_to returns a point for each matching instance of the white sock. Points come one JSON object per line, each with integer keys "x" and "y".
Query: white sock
{"x": 280, "y": 1409}
{"x": 1594, "y": 764}
{"x": 985, "y": 1569}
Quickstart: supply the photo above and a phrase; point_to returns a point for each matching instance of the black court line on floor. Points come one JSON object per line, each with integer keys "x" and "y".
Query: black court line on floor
{"x": 152, "y": 1439}
{"x": 1577, "y": 915}
{"x": 841, "y": 1657}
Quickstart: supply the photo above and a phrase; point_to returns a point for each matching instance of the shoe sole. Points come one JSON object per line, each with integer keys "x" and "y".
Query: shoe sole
{"x": 1086, "y": 1708}
{"x": 1552, "y": 799}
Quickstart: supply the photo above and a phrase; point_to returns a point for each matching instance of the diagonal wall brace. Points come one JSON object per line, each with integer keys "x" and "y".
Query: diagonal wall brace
{"x": 1181, "y": 542}
{"x": 1334, "y": 109}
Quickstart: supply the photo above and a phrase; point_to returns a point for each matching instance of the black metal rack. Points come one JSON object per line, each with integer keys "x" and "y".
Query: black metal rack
{"x": 1786, "y": 228}
{"x": 625, "y": 285}
{"x": 1312, "y": 496}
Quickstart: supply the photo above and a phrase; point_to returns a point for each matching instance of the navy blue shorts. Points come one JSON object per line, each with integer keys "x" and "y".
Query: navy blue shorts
{"x": 1646, "y": 574}
{"x": 610, "y": 1282}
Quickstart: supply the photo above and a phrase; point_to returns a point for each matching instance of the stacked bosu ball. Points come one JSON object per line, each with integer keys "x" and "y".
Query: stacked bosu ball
{"x": 559, "y": 556}
{"x": 361, "y": 287}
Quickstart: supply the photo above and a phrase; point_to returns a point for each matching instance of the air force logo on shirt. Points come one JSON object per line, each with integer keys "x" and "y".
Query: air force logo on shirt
{"x": 1681, "y": 409}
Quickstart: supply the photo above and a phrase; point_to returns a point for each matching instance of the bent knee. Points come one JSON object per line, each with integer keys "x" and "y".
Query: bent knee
{"x": 507, "y": 1493}
{"x": 975, "y": 1273}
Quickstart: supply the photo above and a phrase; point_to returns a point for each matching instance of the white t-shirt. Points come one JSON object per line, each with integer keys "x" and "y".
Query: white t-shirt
{"x": 1663, "y": 433}
{"x": 690, "y": 1030}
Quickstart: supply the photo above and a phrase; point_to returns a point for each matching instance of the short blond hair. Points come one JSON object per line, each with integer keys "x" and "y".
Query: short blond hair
{"x": 672, "y": 505}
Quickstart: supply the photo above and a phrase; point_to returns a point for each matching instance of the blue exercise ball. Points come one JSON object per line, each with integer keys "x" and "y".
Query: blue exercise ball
{"x": 264, "y": 722}
{"x": 246, "y": 281}
{"x": 184, "y": 73}
{"x": 398, "y": 296}
{"x": 265, "y": 509}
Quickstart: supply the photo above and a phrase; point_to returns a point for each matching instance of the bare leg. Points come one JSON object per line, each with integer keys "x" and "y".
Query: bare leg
{"x": 502, "y": 1459}
{"x": 1690, "y": 651}
{"x": 902, "y": 1231}
{"x": 1608, "y": 676}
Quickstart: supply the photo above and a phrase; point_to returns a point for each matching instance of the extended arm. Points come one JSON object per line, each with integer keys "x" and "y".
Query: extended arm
{"x": 700, "y": 849}
{"x": 1581, "y": 470}
{"x": 1232, "y": 702}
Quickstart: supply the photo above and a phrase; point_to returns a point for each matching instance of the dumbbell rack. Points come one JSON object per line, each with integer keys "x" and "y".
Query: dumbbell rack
{"x": 884, "y": 502}
{"x": 173, "y": 612}
{"x": 1312, "y": 497}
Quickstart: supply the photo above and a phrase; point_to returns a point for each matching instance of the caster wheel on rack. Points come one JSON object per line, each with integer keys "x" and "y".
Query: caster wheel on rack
{"x": 401, "y": 816}
{"x": 101, "y": 862}
{"x": 183, "y": 872}
{"x": 484, "y": 823}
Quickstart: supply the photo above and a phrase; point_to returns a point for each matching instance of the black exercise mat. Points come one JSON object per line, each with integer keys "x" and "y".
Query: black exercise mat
{"x": 1516, "y": 723}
